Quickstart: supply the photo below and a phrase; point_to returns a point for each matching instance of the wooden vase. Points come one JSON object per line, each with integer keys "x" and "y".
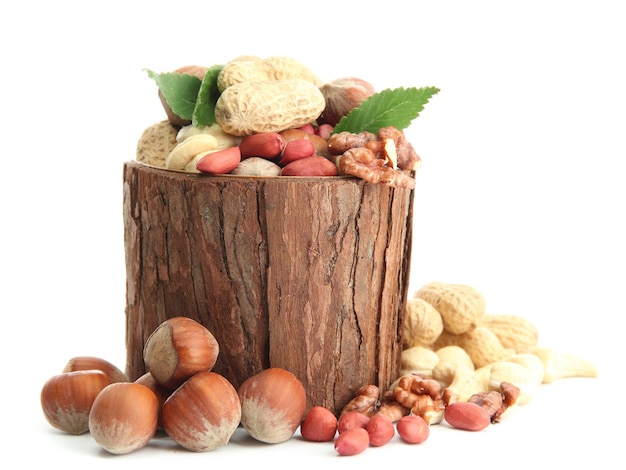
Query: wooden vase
{"x": 307, "y": 274}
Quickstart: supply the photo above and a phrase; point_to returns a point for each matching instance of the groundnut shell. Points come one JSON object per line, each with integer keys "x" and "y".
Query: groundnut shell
{"x": 268, "y": 106}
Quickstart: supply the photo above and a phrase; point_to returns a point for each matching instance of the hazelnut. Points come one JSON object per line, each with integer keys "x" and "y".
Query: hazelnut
{"x": 273, "y": 403}
{"x": 67, "y": 398}
{"x": 195, "y": 70}
{"x": 161, "y": 392}
{"x": 177, "y": 349}
{"x": 342, "y": 96}
{"x": 203, "y": 413}
{"x": 96, "y": 363}
{"x": 124, "y": 417}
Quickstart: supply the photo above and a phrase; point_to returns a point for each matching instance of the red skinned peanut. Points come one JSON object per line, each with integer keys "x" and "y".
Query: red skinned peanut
{"x": 297, "y": 149}
{"x": 319, "y": 425}
{"x": 324, "y": 131}
{"x": 219, "y": 162}
{"x": 351, "y": 420}
{"x": 308, "y": 128}
{"x": 413, "y": 429}
{"x": 466, "y": 415}
{"x": 266, "y": 145}
{"x": 352, "y": 442}
{"x": 311, "y": 166}
{"x": 380, "y": 430}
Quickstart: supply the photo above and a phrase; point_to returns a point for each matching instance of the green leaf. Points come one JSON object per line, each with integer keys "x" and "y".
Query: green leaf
{"x": 396, "y": 107}
{"x": 204, "y": 111}
{"x": 180, "y": 91}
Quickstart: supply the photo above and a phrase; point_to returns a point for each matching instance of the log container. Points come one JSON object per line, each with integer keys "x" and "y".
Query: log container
{"x": 308, "y": 274}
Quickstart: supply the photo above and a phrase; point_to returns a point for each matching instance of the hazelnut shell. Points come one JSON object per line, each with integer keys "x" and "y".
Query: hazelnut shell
{"x": 273, "y": 404}
{"x": 67, "y": 398}
{"x": 203, "y": 413}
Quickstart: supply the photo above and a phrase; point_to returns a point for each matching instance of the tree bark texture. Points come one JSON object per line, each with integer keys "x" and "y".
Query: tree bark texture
{"x": 308, "y": 274}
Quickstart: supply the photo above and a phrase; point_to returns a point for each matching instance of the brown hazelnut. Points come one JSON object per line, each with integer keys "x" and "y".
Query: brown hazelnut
{"x": 195, "y": 70}
{"x": 96, "y": 363}
{"x": 342, "y": 96}
{"x": 67, "y": 398}
{"x": 161, "y": 392}
{"x": 203, "y": 413}
{"x": 273, "y": 403}
{"x": 320, "y": 144}
{"x": 177, "y": 349}
{"x": 124, "y": 417}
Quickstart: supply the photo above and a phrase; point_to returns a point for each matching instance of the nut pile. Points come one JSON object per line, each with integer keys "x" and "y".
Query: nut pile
{"x": 179, "y": 394}
{"x": 275, "y": 117}
{"x": 461, "y": 366}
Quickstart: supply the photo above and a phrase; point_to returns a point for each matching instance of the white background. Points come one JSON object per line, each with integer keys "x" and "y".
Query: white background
{"x": 521, "y": 193}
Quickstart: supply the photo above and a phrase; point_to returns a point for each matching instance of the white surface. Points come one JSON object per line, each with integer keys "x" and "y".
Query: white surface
{"x": 521, "y": 193}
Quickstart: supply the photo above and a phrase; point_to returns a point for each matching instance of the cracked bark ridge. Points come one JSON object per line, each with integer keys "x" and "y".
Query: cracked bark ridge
{"x": 308, "y": 274}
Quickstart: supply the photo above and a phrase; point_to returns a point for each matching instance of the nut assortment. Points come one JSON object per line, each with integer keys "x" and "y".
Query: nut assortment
{"x": 274, "y": 109}
{"x": 200, "y": 410}
{"x": 461, "y": 366}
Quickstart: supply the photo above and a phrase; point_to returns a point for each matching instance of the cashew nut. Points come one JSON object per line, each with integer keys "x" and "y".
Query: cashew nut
{"x": 418, "y": 360}
{"x": 185, "y": 151}
{"x": 460, "y": 381}
{"x": 558, "y": 365}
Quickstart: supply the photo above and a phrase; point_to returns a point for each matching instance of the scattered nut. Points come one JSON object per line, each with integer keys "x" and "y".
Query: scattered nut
{"x": 273, "y": 403}
{"x": 351, "y": 419}
{"x": 413, "y": 429}
{"x": 177, "y": 349}
{"x": 96, "y": 363}
{"x": 461, "y": 306}
{"x": 366, "y": 400}
{"x": 514, "y": 332}
{"x": 422, "y": 396}
{"x": 418, "y": 360}
{"x": 467, "y": 416}
{"x": 380, "y": 430}
{"x": 559, "y": 365}
{"x": 422, "y": 325}
{"x": 460, "y": 381}
{"x": 203, "y": 413}
{"x": 124, "y": 417}
{"x": 319, "y": 425}
{"x": 67, "y": 398}
{"x": 352, "y": 442}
